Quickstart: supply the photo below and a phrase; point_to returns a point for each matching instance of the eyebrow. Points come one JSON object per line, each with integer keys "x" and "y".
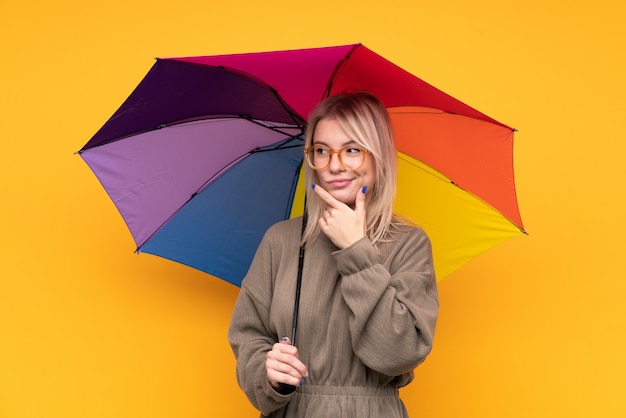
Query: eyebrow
{"x": 345, "y": 144}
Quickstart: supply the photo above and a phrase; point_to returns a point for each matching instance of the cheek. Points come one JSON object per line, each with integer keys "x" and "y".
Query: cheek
{"x": 370, "y": 170}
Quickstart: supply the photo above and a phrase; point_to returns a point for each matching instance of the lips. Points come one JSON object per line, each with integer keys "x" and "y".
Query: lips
{"x": 339, "y": 183}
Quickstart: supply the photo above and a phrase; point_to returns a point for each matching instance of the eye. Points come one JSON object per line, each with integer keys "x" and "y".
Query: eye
{"x": 353, "y": 151}
{"x": 320, "y": 151}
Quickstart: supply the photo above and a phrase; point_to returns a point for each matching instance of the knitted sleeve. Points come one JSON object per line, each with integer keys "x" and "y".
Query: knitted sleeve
{"x": 393, "y": 300}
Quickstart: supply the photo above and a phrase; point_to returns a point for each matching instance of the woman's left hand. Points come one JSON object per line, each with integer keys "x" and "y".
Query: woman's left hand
{"x": 342, "y": 225}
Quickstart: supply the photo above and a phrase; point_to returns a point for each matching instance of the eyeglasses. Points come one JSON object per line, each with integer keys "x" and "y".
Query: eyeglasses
{"x": 350, "y": 157}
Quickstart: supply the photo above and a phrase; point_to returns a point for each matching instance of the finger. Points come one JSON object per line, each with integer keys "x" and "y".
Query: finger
{"x": 278, "y": 373}
{"x": 289, "y": 354}
{"x": 323, "y": 223}
{"x": 283, "y": 349}
{"x": 283, "y": 361}
{"x": 326, "y": 197}
{"x": 327, "y": 219}
{"x": 277, "y": 379}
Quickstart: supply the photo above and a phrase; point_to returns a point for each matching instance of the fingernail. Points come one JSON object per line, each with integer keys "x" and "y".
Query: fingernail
{"x": 364, "y": 189}
{"x": 313, "y": 186}
{"x": 301, "y": 382}
{"x": 306, "y": 374}
{"x": 282, "y": 340}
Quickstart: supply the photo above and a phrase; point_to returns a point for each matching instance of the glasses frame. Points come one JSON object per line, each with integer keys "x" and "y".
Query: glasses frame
{"x": 307, "y": 152}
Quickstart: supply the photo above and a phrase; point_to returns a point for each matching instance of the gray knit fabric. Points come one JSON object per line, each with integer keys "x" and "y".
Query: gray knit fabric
{"x": 366, "y": 320}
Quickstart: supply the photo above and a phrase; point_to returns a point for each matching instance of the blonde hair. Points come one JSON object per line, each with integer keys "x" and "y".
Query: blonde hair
{"x": 364, "y": 118}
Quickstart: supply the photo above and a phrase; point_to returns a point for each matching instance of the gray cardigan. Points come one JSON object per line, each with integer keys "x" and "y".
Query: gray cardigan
{"x": 366, "y": 320}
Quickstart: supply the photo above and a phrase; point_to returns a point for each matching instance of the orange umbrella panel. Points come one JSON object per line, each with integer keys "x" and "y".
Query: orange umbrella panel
{"x": 475, "y": 155}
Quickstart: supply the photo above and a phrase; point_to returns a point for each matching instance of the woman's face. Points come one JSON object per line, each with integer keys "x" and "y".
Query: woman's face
{"x": 341, "y": 183}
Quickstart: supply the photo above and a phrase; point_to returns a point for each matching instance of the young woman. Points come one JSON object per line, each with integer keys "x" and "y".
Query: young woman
{"x": 368, "y": 303}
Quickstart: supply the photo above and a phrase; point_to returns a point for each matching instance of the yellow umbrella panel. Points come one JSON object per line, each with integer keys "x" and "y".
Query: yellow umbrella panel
{"x": 460, "y": 225}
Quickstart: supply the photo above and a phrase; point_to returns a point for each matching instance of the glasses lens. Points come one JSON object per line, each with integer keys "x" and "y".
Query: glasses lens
{"x": 318, "y": 157}
{"x": 351, "y": 158}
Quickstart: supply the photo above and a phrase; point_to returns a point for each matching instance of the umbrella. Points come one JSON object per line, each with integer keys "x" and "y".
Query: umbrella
{"x": 206, "y": 154}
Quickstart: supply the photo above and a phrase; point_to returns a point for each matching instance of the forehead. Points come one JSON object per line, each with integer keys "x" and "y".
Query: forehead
{"x": 329, "y": 132}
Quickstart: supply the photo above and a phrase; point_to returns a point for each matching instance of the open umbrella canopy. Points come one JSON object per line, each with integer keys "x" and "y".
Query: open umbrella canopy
{"x": 206, "y": 154}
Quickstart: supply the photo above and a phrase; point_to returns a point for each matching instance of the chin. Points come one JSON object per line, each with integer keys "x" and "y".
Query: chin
{"x": 343, "y": 198}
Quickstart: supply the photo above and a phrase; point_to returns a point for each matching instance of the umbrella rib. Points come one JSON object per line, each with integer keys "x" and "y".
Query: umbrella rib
{"x": 451, "y": 182}
{"x": 194, "y": 194}
{"x": 169, "y": 124}
{"x": 434, "y": 174}
{"x": 338, "y": 68}
{"x": 297, "y": 119}
{"x": 224, "y": 169}
{"x": 223, "y": 116}
{"x": 273, "y": 128}
{"x": 280, "y": 147}
{"x": 248, "y": 118}
{"x": 198, "y": 119}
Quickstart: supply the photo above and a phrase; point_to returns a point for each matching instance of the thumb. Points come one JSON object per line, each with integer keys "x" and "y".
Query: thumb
{"x": 285, "y": 340}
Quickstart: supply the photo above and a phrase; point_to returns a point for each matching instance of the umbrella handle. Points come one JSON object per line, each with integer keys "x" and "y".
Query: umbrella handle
{"x": 296, "y": 305}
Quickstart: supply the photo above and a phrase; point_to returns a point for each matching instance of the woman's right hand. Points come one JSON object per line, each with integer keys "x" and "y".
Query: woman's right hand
{"x": 283, "y": 365}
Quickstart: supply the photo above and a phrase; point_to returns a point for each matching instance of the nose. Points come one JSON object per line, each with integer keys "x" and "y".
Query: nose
{"x": 335, "y": 164}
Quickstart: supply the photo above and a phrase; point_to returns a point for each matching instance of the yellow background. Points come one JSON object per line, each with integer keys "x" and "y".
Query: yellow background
{"x": 532, "y": 328}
